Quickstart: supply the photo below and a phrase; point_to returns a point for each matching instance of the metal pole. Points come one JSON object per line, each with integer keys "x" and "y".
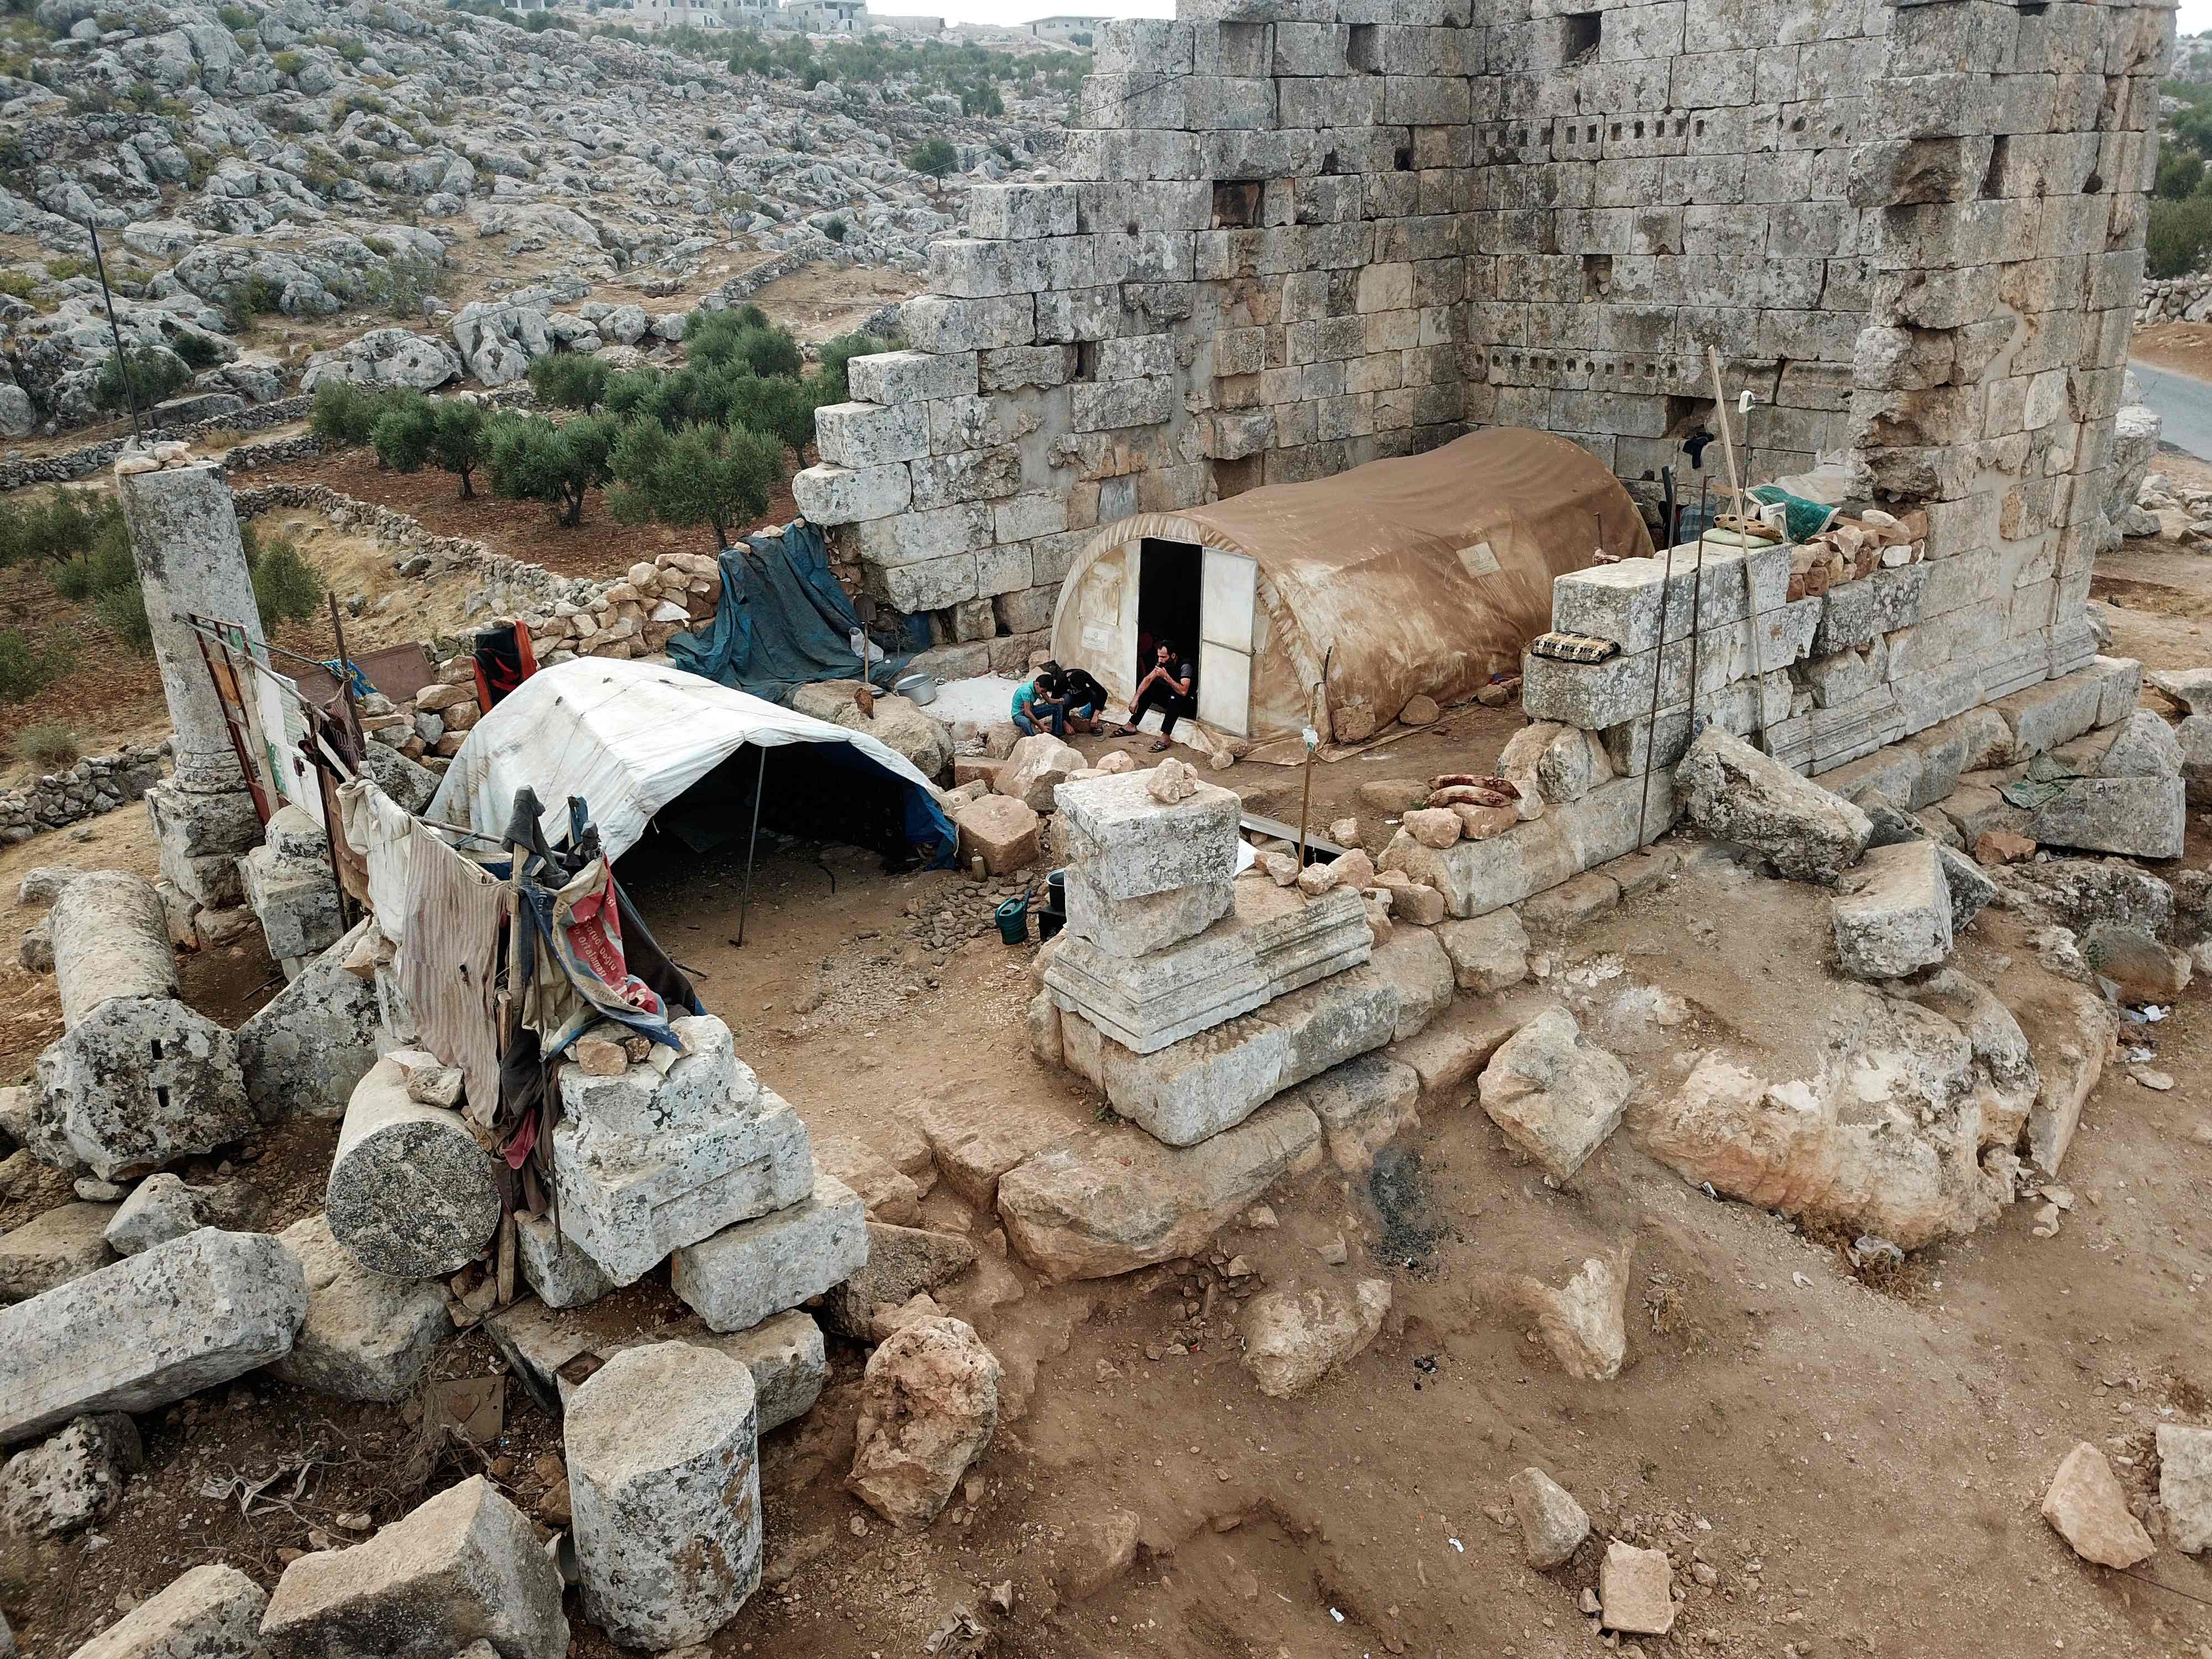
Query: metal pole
{"x": 760, "y": 786}
{"x": 1658, "y": 658}
{"x": 345, "y": 677}
{"x": 1697, "y": 598}
{"x": 115, "y": 333}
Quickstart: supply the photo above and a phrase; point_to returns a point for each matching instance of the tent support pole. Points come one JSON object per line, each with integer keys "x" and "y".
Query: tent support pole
{"x": 760, "y": 781}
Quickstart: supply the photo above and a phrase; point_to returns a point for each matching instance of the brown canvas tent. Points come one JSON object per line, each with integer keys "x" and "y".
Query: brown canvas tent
{"x": 1417, "y": 576}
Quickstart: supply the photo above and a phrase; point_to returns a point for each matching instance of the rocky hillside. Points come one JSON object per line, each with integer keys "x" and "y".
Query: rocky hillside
{"x": 319, "y": 160}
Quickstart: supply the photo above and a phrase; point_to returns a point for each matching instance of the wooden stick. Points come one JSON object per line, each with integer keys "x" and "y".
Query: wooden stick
{"x": 1720, "y": 413}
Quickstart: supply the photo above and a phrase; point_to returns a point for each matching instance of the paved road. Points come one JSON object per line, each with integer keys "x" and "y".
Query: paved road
{"x": 2184, "y": 403}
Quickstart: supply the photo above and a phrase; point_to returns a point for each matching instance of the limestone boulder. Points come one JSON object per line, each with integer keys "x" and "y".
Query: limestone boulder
{"x": 1898, "y": 920}
{"x": 1000, "y": 830}
{"x": 1732, "y": 791}
{"x": 1551, "y": 762}
{"x": 1552, "y": 1525}
{"x": 1886, "y": 1137}
{"x": 1584, "y": 1322}
{"x": 1556, "y": 1094}
{"x": 212, "y": 1611}
{"x": 463, "y": 1568}
{"x": 1364, "y": 1105}
{"x": 2139, "y": 817}
{"x": 664, "y": 1485}
{"x": 2185, "y": 1485}
{"x": 2085, "y": 1506}
{"x": 366, "y": 1336}
{"x": 901, "y": 1263}
{"x": 2194, "y": 738}
{"x": 1038, "y": 765}
{"x": 66, "y": 1483}
{"x": 53, "y": 1248}
{"x": 1634, "y": 1591}
{"x": 106, "y": 1104}
{"x": 162, "y": 1208}
{"x": 1293, "y": 1339}
{"x": 1488, "y": 953}
{"x": 1108, "y": 1200}
{"x": 304, "y": 1051}
{"x": 929, "y": 1404}
{"x": 200, "y": 1310}
{"x": 899, "y": 723}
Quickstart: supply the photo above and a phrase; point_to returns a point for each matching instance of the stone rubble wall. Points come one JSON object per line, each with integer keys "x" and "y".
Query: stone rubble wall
{"x": 71, "y": 465}
{"x": 96, "y": 784}
{"x": 2177, "y": 300}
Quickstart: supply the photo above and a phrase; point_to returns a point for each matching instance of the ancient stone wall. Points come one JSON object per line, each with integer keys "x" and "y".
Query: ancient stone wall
{"x": 1299, "y": 235}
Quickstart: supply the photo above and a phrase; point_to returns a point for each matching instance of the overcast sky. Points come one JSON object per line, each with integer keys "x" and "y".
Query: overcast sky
{"x": 2196, "y": 17}
{"x": 1023, "y": 11}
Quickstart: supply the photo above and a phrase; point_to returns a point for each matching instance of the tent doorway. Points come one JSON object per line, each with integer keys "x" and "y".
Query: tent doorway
{"x": 1167, "y": 600}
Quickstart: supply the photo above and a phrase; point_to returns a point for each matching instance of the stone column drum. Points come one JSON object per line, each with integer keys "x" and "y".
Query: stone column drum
{"x": 665, "y": 1492}
{"x": 412, "y": 1193}
{"x": 191, "y": 562}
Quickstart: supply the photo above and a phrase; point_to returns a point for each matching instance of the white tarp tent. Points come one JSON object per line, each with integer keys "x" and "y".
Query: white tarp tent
{"x": 631, "y": 737}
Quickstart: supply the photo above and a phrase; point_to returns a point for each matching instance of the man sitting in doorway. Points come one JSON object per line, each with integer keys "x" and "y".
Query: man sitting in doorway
{"x": 1037, "y": 705}
{"x": 1080, "y": 697}
{"x": 1167, "y": 688}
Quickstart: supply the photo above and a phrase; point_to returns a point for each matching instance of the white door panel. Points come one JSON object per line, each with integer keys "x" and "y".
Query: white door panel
{"x": 1225, "y": 688}
{"x": 1227, "y": 585}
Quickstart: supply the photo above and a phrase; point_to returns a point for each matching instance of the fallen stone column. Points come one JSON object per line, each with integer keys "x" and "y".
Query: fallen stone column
{"x": 137, "y": 1078}
{"x": 412, "y": 1193}
{"x": 111, "y": 938}
{"x": 180, "y": 1317}
{"x": 665, "y": 1487}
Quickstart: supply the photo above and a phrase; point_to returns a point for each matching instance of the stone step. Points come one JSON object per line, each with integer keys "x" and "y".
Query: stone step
{"x": 1111, "y": 1200}
{"x": 1273, "y": 942}
{"x": 554, "y": 1352}
{"x": 1208, "y": 1083}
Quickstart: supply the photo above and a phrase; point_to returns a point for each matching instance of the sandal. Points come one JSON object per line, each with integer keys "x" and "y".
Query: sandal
{"x": 1125, "y": 732}
{"x": 1161, "y": 747}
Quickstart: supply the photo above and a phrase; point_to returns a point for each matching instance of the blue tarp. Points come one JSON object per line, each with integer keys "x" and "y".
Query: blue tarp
{"x": 784, "y": 621}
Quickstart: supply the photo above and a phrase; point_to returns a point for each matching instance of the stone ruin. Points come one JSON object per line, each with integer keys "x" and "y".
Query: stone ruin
{"x": 1296, "y": 236}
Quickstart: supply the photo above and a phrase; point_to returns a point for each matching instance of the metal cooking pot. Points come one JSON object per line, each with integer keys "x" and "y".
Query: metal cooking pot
{"x": 918, "y": 688}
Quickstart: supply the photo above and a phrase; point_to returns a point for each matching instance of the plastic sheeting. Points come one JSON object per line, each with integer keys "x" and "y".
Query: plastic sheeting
{"x": 631, "y": 737}
{"x": 783, "y": 622}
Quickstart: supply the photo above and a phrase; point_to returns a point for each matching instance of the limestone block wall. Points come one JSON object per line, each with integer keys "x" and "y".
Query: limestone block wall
{"x": 1255, "y": 273}
{"x": 1299, "y": 235}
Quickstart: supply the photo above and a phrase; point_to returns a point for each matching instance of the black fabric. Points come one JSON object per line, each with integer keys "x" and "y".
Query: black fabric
{"x": 1162, "y": 697}
{"x": 1079, "y": 690}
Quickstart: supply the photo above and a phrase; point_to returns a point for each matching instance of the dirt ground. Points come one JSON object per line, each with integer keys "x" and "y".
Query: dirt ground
{"x": 2186, "y": 347}
{"x": 1859, "y": 1464}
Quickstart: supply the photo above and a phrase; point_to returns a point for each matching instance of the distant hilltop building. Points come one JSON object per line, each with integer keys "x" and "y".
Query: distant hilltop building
{"x": 1066, "y": 31}
{"x": 695, "y": 14}
{"x": 827, "y": 16}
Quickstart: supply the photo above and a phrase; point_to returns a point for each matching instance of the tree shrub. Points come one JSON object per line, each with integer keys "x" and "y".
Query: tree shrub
{"x": 25, "y": 669}
{"x": 570, "y": 380}
{"x": 153, "y": 372}
{"x": 532, "y": 459}
{"x": 934, "y": 156}
{"x": 715, "y": 476}
{"x": 2178, "y": 236}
